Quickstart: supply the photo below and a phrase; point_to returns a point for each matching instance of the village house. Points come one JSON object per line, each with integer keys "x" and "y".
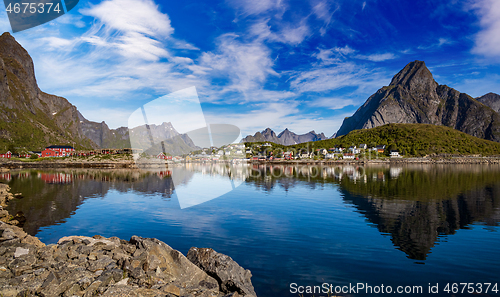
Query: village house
{"x": 177, "y": 159}
{"x": 395, "y": 154}
{"x": 7, "y": 155}
{"x": 58, "y": 151}
{"x": 163, "y": 156}
{"x": 336, "y": 150}
{"x": 363, "y": 146}
{"x": 348, "y": 156}
{"x": 304, "y": 156}
{"x": 353, "y": 150}
{"x": 46, "y": 153}
{"x": 61, "y": 148}
{"x": 380, "y": 148}
{"x": 321, "y": 151}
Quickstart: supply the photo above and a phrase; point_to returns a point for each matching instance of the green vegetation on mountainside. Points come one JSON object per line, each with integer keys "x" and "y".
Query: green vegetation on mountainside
{"x": 410, "y": 139}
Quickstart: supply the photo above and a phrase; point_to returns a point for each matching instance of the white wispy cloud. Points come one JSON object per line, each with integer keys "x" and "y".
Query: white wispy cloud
{"x": 253, "y": 7}
{"x": 292, "y": 34}
{"x": 377, "y": 57}
{"x": 333, "y": 55}
{"x": 478, "y": 86}
{"x": 324, "y": 11}
{"x": 322, "y": 79}
{"x": 331, "y": 102}
{"x": 119, "y": 54}
{"x": 115, "y": 117}
{"x": 132, "y": 16}
{"x": 278, "y": 116}
{"x": 436, "y": 44}
{"x": 134, "y": 51}
{"x": 246, "y": 65}
{"x": 487, "y": 41}
{"x": 295, "y": 34}
{"x": 71, "y": 19}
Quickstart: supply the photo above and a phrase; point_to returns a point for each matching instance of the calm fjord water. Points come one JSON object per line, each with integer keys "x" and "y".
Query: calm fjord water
{"x": 385, "y": 225}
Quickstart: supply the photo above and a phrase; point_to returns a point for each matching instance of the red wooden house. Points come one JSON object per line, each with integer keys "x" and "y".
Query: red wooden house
{"x": 7, "y": 155}
{"x": 50, "y": 153}
{"x": 57, "y": 151}
{"x": 163, "y": 156}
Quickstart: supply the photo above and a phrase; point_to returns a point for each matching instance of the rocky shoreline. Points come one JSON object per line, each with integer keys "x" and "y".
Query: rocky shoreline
{"x": 98, "y": 266}
{"x": 62, "y": 164}
{"x": 132, "y": 165}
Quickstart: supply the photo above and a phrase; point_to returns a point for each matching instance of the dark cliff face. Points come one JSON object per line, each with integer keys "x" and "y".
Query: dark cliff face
{"x": 414, "y": 97}
{"x": 286, "y": 137}
{"x": 30, "y": 117}
{"x": 33, "y": 119}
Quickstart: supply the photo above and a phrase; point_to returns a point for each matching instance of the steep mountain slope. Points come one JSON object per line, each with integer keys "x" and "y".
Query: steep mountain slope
{"x": 492, "y": 100}
{"x": 28, "y": 116}
{"x": 33, "y": 119}
{"x": 414, "y": 97}
{"x": 161, "y": 138}
{"x": 102, "y": 136}
{"x": 286, "y": 137}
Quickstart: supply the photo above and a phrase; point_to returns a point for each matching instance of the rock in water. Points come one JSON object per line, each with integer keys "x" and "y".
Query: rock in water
{"x": 230, "y": 276}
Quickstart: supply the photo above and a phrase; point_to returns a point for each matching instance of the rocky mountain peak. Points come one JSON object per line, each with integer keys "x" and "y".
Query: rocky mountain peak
{"x": 491, "y": 100}
{"x": 414, "y": 97}
{"x": 415, "y": 76}
{"x": 286, "y": 137}
{"x": 269, "y": 131}
{"x": 285, "y": 132}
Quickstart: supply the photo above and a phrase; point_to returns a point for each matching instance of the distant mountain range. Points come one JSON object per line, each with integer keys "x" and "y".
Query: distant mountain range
{"x": 285, "y": 138}
{"x": 33, "y": 119}
{"x": 414, "y": 97}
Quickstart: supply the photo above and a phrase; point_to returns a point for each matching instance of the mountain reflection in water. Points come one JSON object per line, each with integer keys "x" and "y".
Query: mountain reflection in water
{"x": 416, "y": 205}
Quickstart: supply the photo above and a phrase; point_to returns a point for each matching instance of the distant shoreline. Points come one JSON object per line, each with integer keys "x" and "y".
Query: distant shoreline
{"x": 122, "y": 164}
{"x": 422, "y": 160}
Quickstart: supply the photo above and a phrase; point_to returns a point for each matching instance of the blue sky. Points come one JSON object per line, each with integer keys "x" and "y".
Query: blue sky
{"x": 302, "y": 64}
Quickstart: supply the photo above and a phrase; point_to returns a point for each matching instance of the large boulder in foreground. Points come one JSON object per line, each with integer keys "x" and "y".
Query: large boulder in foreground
{"x": 98, "y": 266}
{"x": 230, "y": 276}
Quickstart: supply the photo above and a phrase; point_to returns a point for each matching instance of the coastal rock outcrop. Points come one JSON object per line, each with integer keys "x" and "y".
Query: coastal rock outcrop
{"x": 230, "y": 276}
{"x": 91, "y": 266}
